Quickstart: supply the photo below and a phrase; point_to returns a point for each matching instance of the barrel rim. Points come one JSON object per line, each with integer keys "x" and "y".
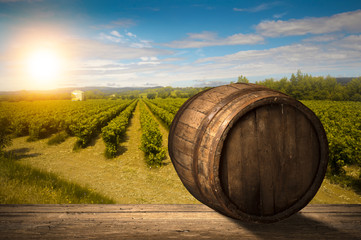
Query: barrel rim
{"x": 318, "y": 178}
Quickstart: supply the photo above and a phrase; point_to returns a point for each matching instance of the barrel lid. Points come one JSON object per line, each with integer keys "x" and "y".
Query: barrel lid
{"x": 273, "y": 158}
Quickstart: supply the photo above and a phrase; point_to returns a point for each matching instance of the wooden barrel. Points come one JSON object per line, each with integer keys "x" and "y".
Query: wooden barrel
{"x": 249, "y": 152}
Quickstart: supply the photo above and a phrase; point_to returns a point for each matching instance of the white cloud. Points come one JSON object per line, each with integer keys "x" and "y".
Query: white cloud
{"x": 347, "y": 22}
{"x": 149, "y": 61}
{"x": 111, "y": 38}
{"x": 279, "y": 15}
{"x": 91, "y": 49}
{"x": 203, "y": 36}
{"x": 352, "y": 42}
{"x": 120, "y": 57}
{"x": 208, "y": 83}
{"x": 129, "y": 34}
{"x": 208, "y": 39}
{"x": 321, "y": 38}
{"x": 129, "y": 39}
{"x": 259, "y": 8}
{"x": 119, "y": 23}
{"x": 339, "y": 55}
{"x": 116, "y": 33}
{"x": 149, "y": 58}
{"x": 144, "y": 58}
{"x": 142, "y": 44}
{"x": 299, "y": 54}
{"x": 125, "y": 22}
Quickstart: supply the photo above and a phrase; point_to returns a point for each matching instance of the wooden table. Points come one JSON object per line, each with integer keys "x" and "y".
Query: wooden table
{"x": 171, "y": 222}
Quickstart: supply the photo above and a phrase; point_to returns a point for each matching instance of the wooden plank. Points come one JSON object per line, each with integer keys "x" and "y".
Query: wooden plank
{"x": 290, "y": 171}
{"x": 239, "y": 165}
{"x": 170, "y": 222}
{"x": 307, "y": 152}
{"x": 265, "y": 117}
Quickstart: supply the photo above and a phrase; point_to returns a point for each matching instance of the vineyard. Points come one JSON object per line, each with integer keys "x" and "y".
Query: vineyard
{"x": 88, "y": 122}
{"x": 342, "y": 124}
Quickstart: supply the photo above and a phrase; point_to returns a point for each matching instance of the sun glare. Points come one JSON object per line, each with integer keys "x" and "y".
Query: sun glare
{"x": 44, "y": 67}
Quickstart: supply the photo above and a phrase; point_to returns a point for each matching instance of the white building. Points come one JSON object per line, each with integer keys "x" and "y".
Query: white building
{"x": 77, "y": 95}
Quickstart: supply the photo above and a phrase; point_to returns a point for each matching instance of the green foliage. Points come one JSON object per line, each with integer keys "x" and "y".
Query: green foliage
{"x": 342, "y": 124}
{"x": 115, "y": 130}
{"x": 305, "y": 87}
{"x": 169, "y": 104}
{"x": 58, "y": 138}
{"x": 163, "y": 114}
{"x": 169, "y": 92}
{"x": 94, "y": 94}
{"x": 42, "y": 127}
{"x": 36, "y": 96}
{"x": 151, "y": 95}
{"x": 85, "y": 119}
{"x": 88, "y": 127}
{"x": 5, "y": 139}
{"x": 353, "y": 89}
{"x": 242, "y": 79}
{"x": 81, "y": 119}
{"x": 164, "y": 92}
{"x": 152, "y": 142}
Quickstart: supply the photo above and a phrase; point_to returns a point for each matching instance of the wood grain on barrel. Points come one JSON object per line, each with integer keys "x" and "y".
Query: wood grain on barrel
{"x": 249, "y": 152}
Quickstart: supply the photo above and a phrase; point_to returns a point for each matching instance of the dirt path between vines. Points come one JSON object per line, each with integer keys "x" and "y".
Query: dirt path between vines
{"x": 126, "y": 178}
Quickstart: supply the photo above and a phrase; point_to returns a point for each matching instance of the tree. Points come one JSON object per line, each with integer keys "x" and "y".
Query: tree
{"x": 94, "y": 94}
{"x": 242, "y": 79}
{"x": 163, "y": 93}
{"x": 353, "y": 89}
{"x": 151, "y": 95}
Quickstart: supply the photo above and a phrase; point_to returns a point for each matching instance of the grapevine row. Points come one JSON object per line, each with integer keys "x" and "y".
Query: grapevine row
{"x": 87, "y": 128}
{"x": 163, "y": 114}
{"x": 43, "y": 118}
{"x": 342, "y": 124}
{"x": 171, "y": 105}
{"x": 115, "y": 130}
{"x": 151, "y": 141}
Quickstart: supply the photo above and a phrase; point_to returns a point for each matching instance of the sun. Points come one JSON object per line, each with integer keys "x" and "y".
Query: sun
{"x": 43, "y": 66}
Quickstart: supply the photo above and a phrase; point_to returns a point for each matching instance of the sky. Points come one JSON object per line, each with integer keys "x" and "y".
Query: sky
{"x": 47, "y": 44}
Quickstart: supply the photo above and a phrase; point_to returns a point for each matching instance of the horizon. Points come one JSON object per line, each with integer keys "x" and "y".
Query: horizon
{"x": 340, "y": 80}
{"x": 47, "y": 45}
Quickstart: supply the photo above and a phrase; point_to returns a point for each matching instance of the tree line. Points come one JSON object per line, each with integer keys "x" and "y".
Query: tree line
{"x": 306, "y": 87}
{"x": 300, "y": 86}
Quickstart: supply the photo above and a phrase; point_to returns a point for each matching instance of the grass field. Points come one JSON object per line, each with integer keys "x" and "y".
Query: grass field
{"x": 125, "y": 179}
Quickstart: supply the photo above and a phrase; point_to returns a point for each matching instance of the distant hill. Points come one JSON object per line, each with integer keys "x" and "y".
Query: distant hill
{"x": 106, "y": 90}
{"x": 65, "y": 93}
{"x": 110, "y": 90}
{"x": 344, "y": 80}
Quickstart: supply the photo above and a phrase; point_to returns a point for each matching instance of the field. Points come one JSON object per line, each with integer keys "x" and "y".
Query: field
{"x": 114, "y": 151}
